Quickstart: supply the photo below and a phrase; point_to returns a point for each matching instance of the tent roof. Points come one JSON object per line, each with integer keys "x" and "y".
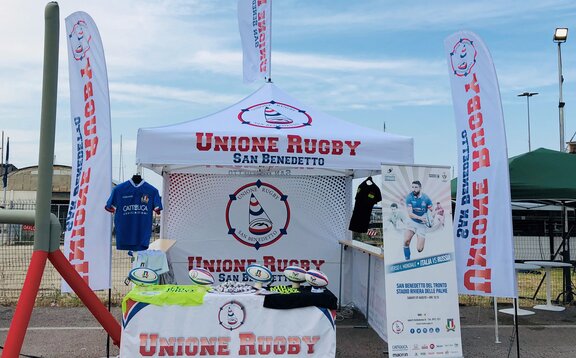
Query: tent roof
{"x": 269, "y": 128}
{"x": 541, "y": 175}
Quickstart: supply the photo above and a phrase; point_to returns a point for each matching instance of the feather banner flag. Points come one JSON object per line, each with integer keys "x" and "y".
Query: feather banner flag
{"x": 483, "y": 215}
{"x": 255, "y": 24}
{"x": 88, "y": 234}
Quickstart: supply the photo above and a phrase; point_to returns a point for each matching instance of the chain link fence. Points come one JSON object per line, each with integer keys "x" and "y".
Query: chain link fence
{"x": 16, "y": 247}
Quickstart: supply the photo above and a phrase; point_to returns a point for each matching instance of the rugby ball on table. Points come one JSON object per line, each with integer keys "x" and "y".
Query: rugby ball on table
{"x": 296, "y": 275}
{"x": 201, "y": 276}
{"x": 143, "y": 276}
{"x": 316, "y": 278}
{"x": 259, "y": 273}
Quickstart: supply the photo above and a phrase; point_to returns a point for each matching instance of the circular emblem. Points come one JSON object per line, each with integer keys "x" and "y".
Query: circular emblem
{"x": 79, "y": 40}
{"x": 397, "y": 327}
{"x": 274, "y": 115}
{"x": 257, "y": 214}
{"x": 231, "y": 315}
{"x": 463, "y": 57}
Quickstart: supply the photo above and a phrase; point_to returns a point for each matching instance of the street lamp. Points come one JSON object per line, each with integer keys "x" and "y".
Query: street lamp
{"x": 528, "y": 95}
{"x": 560, "y": 36}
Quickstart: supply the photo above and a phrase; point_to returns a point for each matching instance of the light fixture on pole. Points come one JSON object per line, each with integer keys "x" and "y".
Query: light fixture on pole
{"x": 528, "y": 95}
{"x": 560, "y": 36}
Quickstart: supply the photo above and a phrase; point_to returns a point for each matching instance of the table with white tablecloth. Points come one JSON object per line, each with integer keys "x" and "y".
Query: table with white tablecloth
{"x": 226, "y": 325}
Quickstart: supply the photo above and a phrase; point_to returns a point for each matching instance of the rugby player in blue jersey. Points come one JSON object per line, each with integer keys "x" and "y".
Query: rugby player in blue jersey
{"x": 418, "y": 206}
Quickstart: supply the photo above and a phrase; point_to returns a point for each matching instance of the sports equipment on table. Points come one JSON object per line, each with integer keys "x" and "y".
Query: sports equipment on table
{"x": 143, "y": 276}
{"x": 201, "y": 276}
{"x": 260, "y": 274}
{"x": 316, "y": 278}
{"x": 296, "y": 275}
{"x": 233, "y": 288}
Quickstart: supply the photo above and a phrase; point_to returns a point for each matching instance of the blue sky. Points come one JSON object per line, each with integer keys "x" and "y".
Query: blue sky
{"x": 368, "y": 62}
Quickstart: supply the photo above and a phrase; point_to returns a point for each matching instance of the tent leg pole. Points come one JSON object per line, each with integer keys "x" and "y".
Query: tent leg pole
{"x": 340, "y": 288}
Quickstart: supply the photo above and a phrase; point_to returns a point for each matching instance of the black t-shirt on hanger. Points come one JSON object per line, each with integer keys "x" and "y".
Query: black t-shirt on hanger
{"x": 367, "y": 195}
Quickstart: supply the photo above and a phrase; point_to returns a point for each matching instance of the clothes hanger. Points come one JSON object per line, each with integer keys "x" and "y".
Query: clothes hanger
{"x": 136, "y": 178}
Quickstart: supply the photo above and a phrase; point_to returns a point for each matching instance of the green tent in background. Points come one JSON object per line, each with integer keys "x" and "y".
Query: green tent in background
{"x": 542, "y": 175}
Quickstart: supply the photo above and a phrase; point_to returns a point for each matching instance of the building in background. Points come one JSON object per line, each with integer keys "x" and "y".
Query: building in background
{"x": 20, "y": 194}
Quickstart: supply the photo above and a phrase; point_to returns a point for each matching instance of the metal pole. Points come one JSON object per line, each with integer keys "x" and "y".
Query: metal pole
{"x": 497, "y": 336}
{"x": 368, "y": 292}
{"x": 528, "y": 95}
{"x": 3, "y": 228}
{"x": 340, "y": 285}
{"x": 269, "y": 65}
{"x": 568, "y": 295}
{"x": 516, "y": 327}
{"x": 528, "y": 106}
{"x": 560, "y": 101}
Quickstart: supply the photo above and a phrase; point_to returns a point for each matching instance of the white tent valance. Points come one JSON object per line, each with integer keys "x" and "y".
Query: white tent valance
{"x": 269, "y": 128}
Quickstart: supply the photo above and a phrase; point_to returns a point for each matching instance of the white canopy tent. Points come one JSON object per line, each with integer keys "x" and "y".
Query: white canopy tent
{"x": 267, "y": 160}
{"x": 270, "y": 128}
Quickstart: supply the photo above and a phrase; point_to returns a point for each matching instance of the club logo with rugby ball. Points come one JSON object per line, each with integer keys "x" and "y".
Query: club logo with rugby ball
{"x": 143, "y": 276}
{"x": 257, "y": 214}
{"x": 316, "y": 278}
{"x": 232, "y": 315}
{"x": 80, "y": 40}
{"x": 274, "y": 115}
{"x": 201, "y": 276}
{"x": 463, "y": 57}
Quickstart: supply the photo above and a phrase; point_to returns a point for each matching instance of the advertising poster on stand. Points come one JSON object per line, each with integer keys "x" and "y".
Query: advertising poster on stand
{"x": 421, "y": 288}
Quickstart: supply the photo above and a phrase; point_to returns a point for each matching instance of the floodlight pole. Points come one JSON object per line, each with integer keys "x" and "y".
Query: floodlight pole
{"x": 560, "y": 36}
{"x": 528, "y": 95}
{"x": 560, "y": 100}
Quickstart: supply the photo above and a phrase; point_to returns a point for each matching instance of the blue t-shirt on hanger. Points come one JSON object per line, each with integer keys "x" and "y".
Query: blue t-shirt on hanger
{"x": 133, "y": 205}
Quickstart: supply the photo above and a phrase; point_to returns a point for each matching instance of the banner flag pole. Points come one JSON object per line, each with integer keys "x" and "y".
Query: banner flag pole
{"x": 497, "y": 336}
{"x": 269, "y": 67}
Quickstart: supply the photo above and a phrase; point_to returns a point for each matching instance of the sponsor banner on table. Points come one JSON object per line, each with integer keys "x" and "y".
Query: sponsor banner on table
{"x": 483, "y": 217}
{"x": 87, "y": 241}
{"x": 231, "y": 326}
{"x": 421, "y": 288}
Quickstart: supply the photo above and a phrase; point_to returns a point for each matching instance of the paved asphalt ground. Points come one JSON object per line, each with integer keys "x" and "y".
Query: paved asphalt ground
{"x": 73, "y": 332}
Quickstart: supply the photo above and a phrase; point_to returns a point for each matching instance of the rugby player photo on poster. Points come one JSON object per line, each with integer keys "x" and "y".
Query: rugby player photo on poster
{"x": 415, "y": 204}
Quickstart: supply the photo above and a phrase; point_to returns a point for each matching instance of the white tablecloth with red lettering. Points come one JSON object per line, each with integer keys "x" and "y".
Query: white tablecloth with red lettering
{"x": 227, "y": 326}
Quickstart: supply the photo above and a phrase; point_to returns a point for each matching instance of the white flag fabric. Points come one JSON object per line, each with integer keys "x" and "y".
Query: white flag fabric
{"x": 254, "y": 22}
{"x": 87, "y": 242}
{"x": 483, "y": 217}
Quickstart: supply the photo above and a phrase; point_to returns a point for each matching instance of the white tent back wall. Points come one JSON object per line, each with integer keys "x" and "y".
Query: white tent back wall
{"x": 269, "y": 128}
{"x": 224, "y": 223}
